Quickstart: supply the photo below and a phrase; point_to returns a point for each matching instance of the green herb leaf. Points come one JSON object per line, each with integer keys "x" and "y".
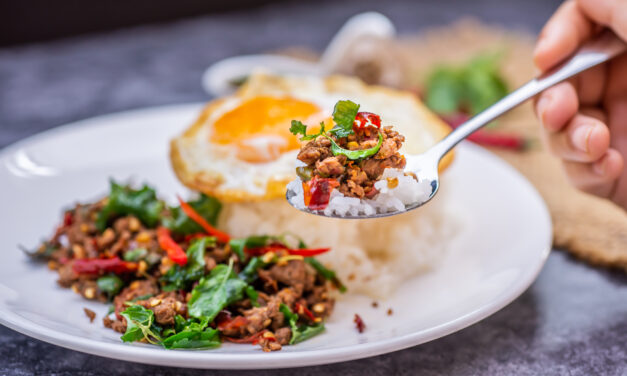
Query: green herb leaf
{"x": 180, "y": 277}
{"x": 253, "y": 295}
{"x": 298, "y": 128}
{"x": 110, "y": 284}
{"x": 328, "y": 274}
{"x": 194, "y": 336}
{"x": 135, "y": 254}
{"x": 180, "y": 224}
{"x": 469, "y": 88}
{"x": 123, "y": 200}
{"x": 255, "y": 241}
{"x": 249, "y": 274}
{"x": 344, "y": 114}
{"x": 356, "y": 154}
{"x": 215, "y": 292}
{"x": 140, "y": 325}
{"x": 302, "y": 332}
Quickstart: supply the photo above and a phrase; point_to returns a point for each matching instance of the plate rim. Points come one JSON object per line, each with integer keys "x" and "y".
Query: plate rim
{"x": 146, "y": 354}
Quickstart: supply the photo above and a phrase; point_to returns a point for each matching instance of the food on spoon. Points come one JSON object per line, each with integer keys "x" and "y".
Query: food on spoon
{"x": 354, "y": 168}
{"x": 371, "y": 257}
{"x": 177, "y": 281}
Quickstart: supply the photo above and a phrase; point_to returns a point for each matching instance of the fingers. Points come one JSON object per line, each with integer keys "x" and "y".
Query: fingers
{"x": 590, "y": 85}
{"x": 562, "y": 34}
{"x": 609, "y": 13}
{"x": 598, "y": 178}
{"x": 556, "y": 106}
{"x": 584, "y": 139}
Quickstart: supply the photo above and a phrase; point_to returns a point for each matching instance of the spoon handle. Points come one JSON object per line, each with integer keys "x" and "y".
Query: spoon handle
{"x": 593, "y": 53}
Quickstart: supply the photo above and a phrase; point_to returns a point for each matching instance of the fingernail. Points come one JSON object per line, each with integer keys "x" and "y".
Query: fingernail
{"x": 581, "y": 137}
{"x": 599, "y": 166}
{"x": 542, "y": 105}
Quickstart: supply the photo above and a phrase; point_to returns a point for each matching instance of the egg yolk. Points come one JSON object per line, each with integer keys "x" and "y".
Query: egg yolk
{"x": 259, "y": 127}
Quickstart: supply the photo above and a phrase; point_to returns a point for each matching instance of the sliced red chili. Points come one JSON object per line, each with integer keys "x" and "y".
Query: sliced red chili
{"x": 232, "y": 323}
{"x": 101, "y": 266}
{"x": 68, "y": 219}
{"x": 365, "y": 119}
{"x": 301, "y": 309}
{"x": 359, "y": 323}
{"x": 193, "y": 214}
{"x": 174, "y": 251}
{"x": 320, "y": 189}
{"x": 308, "y": 252}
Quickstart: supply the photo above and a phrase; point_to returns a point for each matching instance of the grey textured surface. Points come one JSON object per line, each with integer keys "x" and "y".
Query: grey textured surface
{"x": 573, "y": 319}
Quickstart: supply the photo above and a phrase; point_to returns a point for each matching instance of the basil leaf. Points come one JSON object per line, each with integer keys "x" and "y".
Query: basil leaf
{"x": 180, "y": 224}
{"x": 194, "y": 335}
{"x": 239, "y": 245}
{"x": 110, "y": 284}
{"x": 140, "y": 325}
{"x": 302, "y": 332}
{"x": 253, "y": 295}
{"x": 249, "y": 273}
{"x": 356, "y": 154}
{"x": 123, "y": 200}
{"x": 215, "y": 292}
{"x": 344, "y": 114}
{"x": 328, "y": 274}
{"x": 180, "y": 277}
{"x": 135, "y": 254}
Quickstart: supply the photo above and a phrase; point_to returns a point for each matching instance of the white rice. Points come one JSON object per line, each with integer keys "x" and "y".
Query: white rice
{"x": 371, "y": 256}
{"x": 407, "y": 191}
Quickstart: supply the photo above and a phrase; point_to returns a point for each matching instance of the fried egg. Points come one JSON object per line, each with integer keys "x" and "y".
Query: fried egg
{"x": 240, "y": 148}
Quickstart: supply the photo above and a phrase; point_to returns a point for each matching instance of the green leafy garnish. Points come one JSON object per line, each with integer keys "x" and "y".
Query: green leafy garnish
{"x": 301, "y": 332}
{"x": 42, "y": 253}
{"x": 180, "y": 224}
{"x": 135, "y": 254}
{"x": 194, "y": 336}
{"x": 239, "y": 245}
{"x": 344, "y": 114}
{"x": 140, "y": 325}
{"x": 356, "y": 154}
{"x": 110, "y": 284}
{"x": 249, "y": 274}
{"x": 328, "y": 274}
{"x": 123, "y": 200}
{"x": 469, "y": 88}
{"x": 298, "y": 128}
{"x": 252, "y": 294}
{"x": 221, "y": 288}
{"x": 179, "y": 277}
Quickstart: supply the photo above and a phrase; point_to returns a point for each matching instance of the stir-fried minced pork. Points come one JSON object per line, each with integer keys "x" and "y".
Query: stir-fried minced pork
{"x": 183, "y": 282}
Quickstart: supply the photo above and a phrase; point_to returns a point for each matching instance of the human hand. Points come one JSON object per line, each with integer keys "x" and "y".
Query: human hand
{"x": 584, "y": 120}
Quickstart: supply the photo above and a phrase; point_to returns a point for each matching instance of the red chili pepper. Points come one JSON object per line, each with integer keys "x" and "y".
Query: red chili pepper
{"x": 100, "y": 266}
{"x": 301, "y": 309}
{"x": 500, "y": 140}
{"x": 230, "y": 324}
{"x": 359, "y": 323}
{"x": 494, "y": 139}
{"x": 191, "y": 213}
{"x": 174, "y": 251}
{"x": 320, "y": 190}
{"x": 68, "y": 219}
{"x": 280, "y": 247}
{"x": 364, "y": 119}
{"x": 308, "y": 252}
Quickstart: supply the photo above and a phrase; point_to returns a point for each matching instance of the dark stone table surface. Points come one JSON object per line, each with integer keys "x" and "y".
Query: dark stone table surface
{"x": 571, "y": 321}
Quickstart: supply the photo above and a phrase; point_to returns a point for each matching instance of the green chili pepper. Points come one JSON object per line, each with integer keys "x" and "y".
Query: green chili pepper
{"x": 356, "y": 154}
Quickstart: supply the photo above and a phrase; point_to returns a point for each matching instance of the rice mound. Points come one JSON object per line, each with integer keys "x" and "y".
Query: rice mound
{"x": 371, "y": 256}
{"x": 407, "y": 191}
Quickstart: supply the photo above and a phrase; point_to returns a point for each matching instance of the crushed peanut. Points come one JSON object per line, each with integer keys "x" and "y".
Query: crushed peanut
{"x": 79, "y": 252}
{"x": 89, "y": 293}
{"x": 155, "y": 302}
{"x": 392, "y": 182}
{"x": 133, "y": 224}
{"x": 143, "y": 237}
{"x": 319, "y": 308}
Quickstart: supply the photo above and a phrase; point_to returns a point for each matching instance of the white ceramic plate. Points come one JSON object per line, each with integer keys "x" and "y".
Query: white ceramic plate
{"x": 496, "y": 257}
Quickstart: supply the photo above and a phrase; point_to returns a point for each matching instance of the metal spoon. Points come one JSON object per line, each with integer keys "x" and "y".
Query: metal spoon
{"x": 595, "y": 52}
